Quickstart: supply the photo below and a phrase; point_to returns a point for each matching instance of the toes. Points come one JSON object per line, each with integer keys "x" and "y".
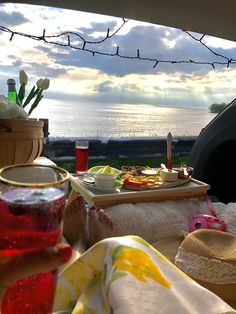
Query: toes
{"x": 92, "y": 212}
{"x": 111, "y": 223}
{"x": 93, "y": 208}
{"x": 103, "y": 218}
{"x": 80, "y": 202}
{"x": 75, "y": 206}
{"x": 101, "y": 215}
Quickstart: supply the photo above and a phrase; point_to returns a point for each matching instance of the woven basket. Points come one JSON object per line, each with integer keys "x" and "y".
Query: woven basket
{"x": 21, "y": 141}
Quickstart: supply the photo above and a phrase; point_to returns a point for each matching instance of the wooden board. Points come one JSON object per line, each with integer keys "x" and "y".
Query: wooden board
{"x": 193, "y": 188}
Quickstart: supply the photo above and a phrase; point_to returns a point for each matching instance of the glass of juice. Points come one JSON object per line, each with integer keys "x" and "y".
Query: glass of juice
{"x": 32, "y": 202}
{"x": 81, "y": 147}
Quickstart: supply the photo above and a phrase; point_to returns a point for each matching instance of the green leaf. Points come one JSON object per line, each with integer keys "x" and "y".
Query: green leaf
{"x": 30, "y": 97}
{"x": 21, "y": 94}
{"x": 36, "y": 102}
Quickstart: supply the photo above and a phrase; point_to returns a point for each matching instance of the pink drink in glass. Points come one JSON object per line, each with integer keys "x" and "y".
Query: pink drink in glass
{"x": 30, "y": 219}
{"x": 81, "y": 156}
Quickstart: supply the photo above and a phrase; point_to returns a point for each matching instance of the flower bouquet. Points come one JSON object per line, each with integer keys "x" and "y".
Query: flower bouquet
{"x": 21, "y": 138}
{"x": 10, "y": 110}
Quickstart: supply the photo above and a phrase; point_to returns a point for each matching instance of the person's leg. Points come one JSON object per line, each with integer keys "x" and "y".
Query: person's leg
{"x": 83, "y": 228}
{"x": 100, "y": 225}
{"x": 75, "y": 226}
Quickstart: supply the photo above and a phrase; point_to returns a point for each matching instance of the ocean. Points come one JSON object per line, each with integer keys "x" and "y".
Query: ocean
{"x": 103, "y": 120}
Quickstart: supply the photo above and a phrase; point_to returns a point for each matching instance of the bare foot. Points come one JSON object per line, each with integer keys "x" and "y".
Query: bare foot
{"x": 100, "y": 226}
{"x": 75, "y": 228}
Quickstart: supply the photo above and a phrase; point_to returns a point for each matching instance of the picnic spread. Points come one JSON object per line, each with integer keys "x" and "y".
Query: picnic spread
{"x": 159, "y": 211}
{"x": 136, "y": 184}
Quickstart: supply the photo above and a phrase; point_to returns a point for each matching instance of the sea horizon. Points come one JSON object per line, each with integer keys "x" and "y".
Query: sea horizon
{"x": 116, "y": 120}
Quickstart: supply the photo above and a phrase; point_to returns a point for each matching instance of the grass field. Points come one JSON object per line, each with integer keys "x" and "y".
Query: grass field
{"x": 153, "y": 162}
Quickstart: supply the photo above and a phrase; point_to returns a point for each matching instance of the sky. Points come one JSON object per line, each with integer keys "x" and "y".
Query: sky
{"x": 79, "y": 76}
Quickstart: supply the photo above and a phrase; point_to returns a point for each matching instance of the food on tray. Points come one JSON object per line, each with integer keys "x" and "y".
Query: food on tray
{"x": 132, "y": 183}
{"x": 108, "y": 170}
{"x": 142, "y": 181}
{"x": 169, "y": 175}
{"x": 149, "y": 172}
{"x": 138, "y": 177}
{"x": 104, "y": 169}
{"x": 184, "y": 172}
{"x": 133, "y": 177}
{"x": 105, "y": 180}
{"x": 133, "y": 170}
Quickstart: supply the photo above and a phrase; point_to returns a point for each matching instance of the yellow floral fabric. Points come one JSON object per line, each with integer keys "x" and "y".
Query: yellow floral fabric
{"x": 126, "y": 275}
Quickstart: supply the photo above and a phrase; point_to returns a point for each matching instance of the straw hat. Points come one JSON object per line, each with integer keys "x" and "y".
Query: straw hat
{"x": 209, "y": 257}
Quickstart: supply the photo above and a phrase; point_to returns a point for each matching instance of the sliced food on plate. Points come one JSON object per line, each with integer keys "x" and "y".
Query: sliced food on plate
{"x": 140, "y": 177}
{"x": 146, "y": 178}
{"x": 141, "y": 182}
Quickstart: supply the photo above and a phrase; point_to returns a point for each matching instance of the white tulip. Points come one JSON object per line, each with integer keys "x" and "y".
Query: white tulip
{"x": 39, "y": 83}
{"x": 23, "y": 77}
{"x": 43, "y": 83}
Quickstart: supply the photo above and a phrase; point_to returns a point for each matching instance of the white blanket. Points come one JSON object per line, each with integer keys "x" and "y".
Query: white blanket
{"x": 155, "y": 221}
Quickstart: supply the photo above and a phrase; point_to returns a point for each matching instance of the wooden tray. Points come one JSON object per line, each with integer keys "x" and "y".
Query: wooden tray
{"x": 193, "y": 188}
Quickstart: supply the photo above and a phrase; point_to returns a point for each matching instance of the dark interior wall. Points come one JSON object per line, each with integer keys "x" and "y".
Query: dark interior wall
{"x": 220, "y": 172}
{"x": 213, "y": 155}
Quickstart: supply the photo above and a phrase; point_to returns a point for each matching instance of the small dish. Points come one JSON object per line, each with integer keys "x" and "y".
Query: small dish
{"x": 104, "y": 181}
{"x": 89, "y": 180}
{"x": 101, "y": 189}
{"x": 184, "y": 172}
{"x": 108, "y": 190}
{"x": 169, "y": 175}
{"x": 149, "y": 172}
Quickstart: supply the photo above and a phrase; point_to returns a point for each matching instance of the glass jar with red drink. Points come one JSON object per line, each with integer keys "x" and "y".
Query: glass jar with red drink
{"x": 32, "y": 202}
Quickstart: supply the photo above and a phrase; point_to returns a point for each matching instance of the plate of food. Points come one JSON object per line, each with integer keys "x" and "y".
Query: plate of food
{"x": 103, "y": 178}
{"x": 140, "y": 184}
{"x": 140, "y": 178}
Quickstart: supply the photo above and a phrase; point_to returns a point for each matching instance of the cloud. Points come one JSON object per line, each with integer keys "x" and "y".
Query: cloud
{"x": 99, "y": 27}
{"x": 105, "y": 87}
{"x": 9, "y": 19}
{"x": 45, "y": 70}
{"x": 81, "y": 75}
{"x": 17, "y": 63}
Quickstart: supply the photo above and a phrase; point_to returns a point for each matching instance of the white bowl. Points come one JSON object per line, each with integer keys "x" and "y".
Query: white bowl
{"x": 149, "y": 172}
{"x": 169, "y": 175}
{"x": 105, "y": 181}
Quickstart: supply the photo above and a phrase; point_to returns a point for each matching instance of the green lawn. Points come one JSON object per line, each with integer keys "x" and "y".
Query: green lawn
{"x": 118, "y": 163}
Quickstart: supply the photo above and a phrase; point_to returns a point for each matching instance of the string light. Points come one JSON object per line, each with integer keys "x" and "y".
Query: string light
{"x": 228, "y": 60}
{"x": 66, "y": 40}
